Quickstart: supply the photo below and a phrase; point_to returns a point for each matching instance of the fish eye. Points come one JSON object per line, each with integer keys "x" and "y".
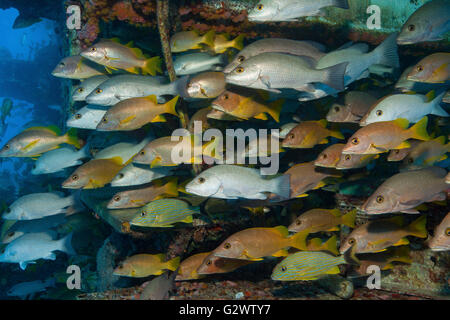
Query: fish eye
{"x": 117, "y": 198}
{"x": 347, "y": 157}
{"x": 105, "y": 120}
{"x": 142, "y": 153}
{"x": 120, "y": 175}
{"x": 379, "y": 113}
{"x": 419, "y": 68}
{"x": 298, "y": 222}
{"x": 80, "y": 90}
{"x": 283, "y": 268}
{"x": 208, "y": 263}
{"x": 11, "y": 234}
{"x": 337, "y": 109}
{"x": 62, "y": 64}
{"x": 447, "y": 232}
{"x": 98, "y": 91}
{"x": 143, "y": 214}
{"x": 93, "y": 49}
{"x": 291, "y": 136}
{"x": 355, "y": 141}
{"x": 397, "y": 151}
{"x": 75, "y": 177}
{"x": 380, "y": 199}
{"x": 260, "y": 7}
{"x": 241, "y": 59}
{"x": 201, "y": 180}
{"x": 411, "y": 27}
{"x": 34, "y": 166}
{"x": 410, "y": 160}
{"x": 351, "y": 241}
{"x": 6, "y": 147}
{"x": 239, "y": 70}
{"x": 227, "y": 245}
{"x": 226, "y": 96}
{"x": 324, "y": 156}
{"x": 203, "y": 91}
{"x": 78, "y": 116}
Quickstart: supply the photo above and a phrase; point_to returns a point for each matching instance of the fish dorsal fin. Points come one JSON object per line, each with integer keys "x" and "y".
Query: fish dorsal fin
{"x": 440, "y": 140}
{"x": 430, "y": 95}
{"x": 116, "y": 160}
{"x": 396, "y": 220}
{"x": 322, "y": 123}
{"x": 137, "y": 52}
{"x": 52, "y": 128}
{"x": 161, "y": 256}
{"x": 152, "y": 98}
{"x": 130, "y": 44}
{"x": 116, "y": 40}
{"x": 401, "y": 122}
{"x": 335, "y": 212}
{"x": 282, "y": 230}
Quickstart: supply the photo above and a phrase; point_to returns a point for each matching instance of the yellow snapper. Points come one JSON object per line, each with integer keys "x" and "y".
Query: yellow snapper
{"x": 255, "y": 243}
{"x": 426, "y": 153}
{"x": 144, "y": 265}
{"x": 188, "y": 267}
{"x": 307, "y": 134}
{"x": 379, "y": 137}
{"x": 316, "y": 244}
{"x": 206, "y": 85}
{"x": 76, "y": 67}
{"x": 94, "y": 174}
{"x": 222, "y": 43}
{"x": 434, "y": 68}
{"x": 329, "y": 157}
{"x": 316, "y": 220}
{"x": 354, "y": 161}
{"x": 159, "y": 151}
{"x": 114, "y": 55}
{"x": 246, "y": 106}
{"x": 385, "y": 260}
{"x": 376, "y": 236}
{"x": 36, "y": 140}
{"x": 307, "y": 265}
{"x": 189, "y": 40}
{"x": 134, "y": 113}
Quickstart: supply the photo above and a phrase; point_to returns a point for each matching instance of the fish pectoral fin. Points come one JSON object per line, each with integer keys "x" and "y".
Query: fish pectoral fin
{"x": 403, "y": 145}
{"x": 302, "y": 195}
{"x": 159, "y": 118}
{"x": 261, "y": 116}
{"x": 324, "y": 141}
{"x": 156, "y": 162}
{"x": 30, "y": 145}
{"x": 401, "y": 242}
{"x": 127, "y": 119}
{"x": 335, "y": 228}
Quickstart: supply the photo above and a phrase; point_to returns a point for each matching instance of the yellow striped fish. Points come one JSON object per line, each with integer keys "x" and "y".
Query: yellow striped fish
{"x": 307, "y": 265}
{"x": 164, "y": 213}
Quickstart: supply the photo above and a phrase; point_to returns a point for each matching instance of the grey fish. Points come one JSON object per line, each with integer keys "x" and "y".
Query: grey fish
{"x": 428, "y": 23}
{"x": 159, "y": 287}
{"x": 297, "y": 48}
{"x": 356, "y": 104}
{"x": 81, "y": 91}
{"x": 197, "y": 62}
{"x": 134, "y": 174}
{"x": 272, "y": 71}
{"x": 25, "y": 289}
{"x": 87, "y": 117}
{"x": 289, "y": 10}
{"x": 126, "y": 86}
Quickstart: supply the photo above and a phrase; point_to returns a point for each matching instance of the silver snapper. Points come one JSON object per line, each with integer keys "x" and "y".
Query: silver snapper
{"x": 289, "y": 10}
{"x": 127, "y": 86}
{"x": 428, "y": 23}
{"x": 297, "y": 48}
{"x": 198, "y": 62}
{"x": 39, "y": 205}
{"x": 272, "y": 71}
{"x": 33, "y": 246}
{"x": 233, "y": 182}
{"x": 59, "y": 159}
{"x": 133, "y": 175}
{"x": 87, "y": 117}
{"x": 359, "y": 60}
{"x": 81, "y": 91}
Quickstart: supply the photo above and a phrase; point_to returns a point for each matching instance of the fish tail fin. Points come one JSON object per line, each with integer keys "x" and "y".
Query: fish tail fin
{"x": 170, "y": 106}
{"x": 275, "y": 109}
{"x": 418, "y": 227}
{"x": 401, "y": 254}
{"x": 173, "y": 264}
{"x": 334, "y": 76}
{"x": 331, "y": 245}
{"x": 171, "y": 187}
{"x": 437, "y": 110}
{"x": 349, "y": 218}
{"x": 66, "y": 244}
{"x": 85, "y": 151}
{"x": 72, "y": 138}
{"x": 238, "y": 42}
{"x": 337, "y": 134}
{"x": 343, "y": 4}
{"x": 281, "y": 186}
{"x": 209, "y": 38}
{"x": 298, "y": 240}
{"x": 419, "y": 130}
{"x": 152, "y": 66}
{"x": 387, "y": 53}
